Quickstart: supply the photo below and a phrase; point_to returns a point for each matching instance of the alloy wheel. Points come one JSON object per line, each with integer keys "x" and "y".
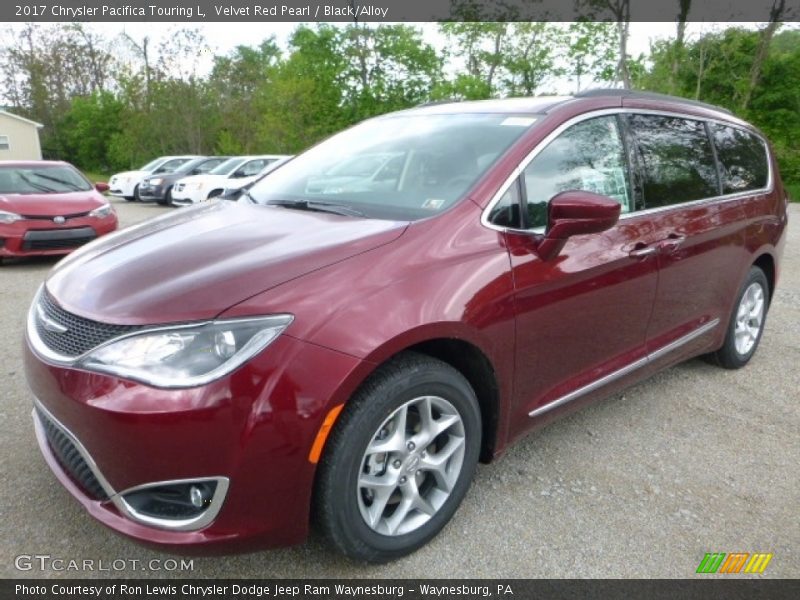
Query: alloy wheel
{"x": 749, "y": 318}
{"x": 411, "y": 465}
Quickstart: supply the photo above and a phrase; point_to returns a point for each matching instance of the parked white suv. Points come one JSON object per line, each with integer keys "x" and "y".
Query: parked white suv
{"x": 126, "y": 184}
{"x": 235, "y": 172}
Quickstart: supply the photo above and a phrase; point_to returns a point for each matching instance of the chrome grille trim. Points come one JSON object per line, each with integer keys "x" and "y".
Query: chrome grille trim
{"x": 46, "y": 420}
{"x": 104, "y": 493}
{"x": 80, "y": 334}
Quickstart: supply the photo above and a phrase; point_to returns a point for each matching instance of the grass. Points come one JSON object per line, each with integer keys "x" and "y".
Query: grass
{"x": 95, "y": 177}
{"x": 794, "y": 191}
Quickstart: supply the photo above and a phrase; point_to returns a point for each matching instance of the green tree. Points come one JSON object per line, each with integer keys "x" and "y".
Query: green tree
{"x": 89, "y": 125}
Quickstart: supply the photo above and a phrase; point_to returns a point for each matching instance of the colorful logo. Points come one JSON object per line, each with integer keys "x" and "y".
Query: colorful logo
{"x": 719, "y": 562}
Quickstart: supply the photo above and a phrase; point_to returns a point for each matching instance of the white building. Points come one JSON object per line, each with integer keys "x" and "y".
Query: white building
{"x": 19, "y": 138}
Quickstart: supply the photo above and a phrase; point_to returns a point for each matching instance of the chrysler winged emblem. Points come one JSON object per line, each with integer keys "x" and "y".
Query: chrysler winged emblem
{"x": 48, "y": 323}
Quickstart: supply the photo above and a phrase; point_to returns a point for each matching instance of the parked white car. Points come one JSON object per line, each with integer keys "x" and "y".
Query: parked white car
{"x": 238, "y": 171}
{"x": 126, "y": 184}
{"x": 234, "y": 187}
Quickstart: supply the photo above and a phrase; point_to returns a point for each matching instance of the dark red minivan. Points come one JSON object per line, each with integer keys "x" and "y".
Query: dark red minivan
{"x": 345, "y": 342}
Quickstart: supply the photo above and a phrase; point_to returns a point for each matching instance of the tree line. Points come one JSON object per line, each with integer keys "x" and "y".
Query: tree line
{"x": 113, "y": 103}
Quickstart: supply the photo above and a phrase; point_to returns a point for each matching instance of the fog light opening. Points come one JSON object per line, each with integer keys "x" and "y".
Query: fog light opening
{"x": 172, "y": 501}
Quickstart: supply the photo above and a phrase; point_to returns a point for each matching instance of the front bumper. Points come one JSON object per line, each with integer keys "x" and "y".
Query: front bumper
{"x": 42, "y": 238}
{"x": 152, "y": 193}
{"x": 254, "y": 427}
{"x": 187, "y": 197}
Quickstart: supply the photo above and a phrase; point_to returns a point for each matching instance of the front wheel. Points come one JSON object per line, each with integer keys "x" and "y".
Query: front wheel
{"x": 136, "y": 196}
{"x": 747, "y": 322}
{"x": 400, "y": 459}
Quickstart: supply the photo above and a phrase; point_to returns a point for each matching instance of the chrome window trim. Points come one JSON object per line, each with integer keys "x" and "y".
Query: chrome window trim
{"x": 117, "y": 499}
{"x": 616, "y": 111}
{"x": 629, "y": 368}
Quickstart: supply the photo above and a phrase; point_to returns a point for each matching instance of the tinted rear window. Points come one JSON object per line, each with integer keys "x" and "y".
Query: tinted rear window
{"x": 676, "y": 159}
{"x": 742, "y": 157}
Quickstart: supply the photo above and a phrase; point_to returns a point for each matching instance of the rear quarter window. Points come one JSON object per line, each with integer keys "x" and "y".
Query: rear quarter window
{"x": 742, "y": 157}
{"x": 675, "y": 158}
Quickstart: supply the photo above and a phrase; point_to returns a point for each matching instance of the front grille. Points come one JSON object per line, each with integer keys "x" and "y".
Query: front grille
{"x": 81, "y": 335}
{"x": 70, "y": 458}
{"x": 56, "y": 244}
{"x": 51, "y": 217}
{"x": 179, "y": 187}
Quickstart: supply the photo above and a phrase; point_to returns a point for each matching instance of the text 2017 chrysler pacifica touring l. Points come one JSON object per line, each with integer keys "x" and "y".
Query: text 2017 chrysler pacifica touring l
{"x": 344, "y": 352}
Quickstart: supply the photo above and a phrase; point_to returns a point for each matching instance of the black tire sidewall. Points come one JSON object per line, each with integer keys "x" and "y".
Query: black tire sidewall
{"x": 351, "y": 533}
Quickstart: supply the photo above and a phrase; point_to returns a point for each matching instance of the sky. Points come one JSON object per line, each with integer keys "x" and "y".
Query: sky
{"x": 222, "y": 38}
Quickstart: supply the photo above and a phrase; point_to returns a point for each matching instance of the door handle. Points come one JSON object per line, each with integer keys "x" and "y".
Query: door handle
{"x": 641, "y": 251}
{"x": 672, "y": 243}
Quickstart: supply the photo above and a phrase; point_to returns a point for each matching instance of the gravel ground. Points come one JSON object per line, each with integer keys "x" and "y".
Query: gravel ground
{"x": 694, "y": 460}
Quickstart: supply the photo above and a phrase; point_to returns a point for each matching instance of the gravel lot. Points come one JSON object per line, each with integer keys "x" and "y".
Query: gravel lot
{"x": 695, "y": 460}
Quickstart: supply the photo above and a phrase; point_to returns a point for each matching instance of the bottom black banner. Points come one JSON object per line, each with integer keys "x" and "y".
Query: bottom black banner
{"x": 246, "y": 589}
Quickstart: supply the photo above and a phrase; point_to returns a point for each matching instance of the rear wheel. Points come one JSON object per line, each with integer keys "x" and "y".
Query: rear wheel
{"x": 400, "y": 459}
{"x": 747, "y": 322}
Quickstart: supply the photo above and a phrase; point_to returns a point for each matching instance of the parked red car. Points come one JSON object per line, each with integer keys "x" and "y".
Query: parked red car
{"x": 345, "y": 351}
{"x": 48, "y": 207}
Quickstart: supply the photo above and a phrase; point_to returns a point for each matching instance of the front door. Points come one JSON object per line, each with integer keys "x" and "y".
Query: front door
{"x": 582, "y": 316}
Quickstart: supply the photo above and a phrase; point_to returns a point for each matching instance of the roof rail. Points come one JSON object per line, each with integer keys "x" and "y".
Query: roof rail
{"x": 437, "y": 102}
{"x": 647, "y": 96}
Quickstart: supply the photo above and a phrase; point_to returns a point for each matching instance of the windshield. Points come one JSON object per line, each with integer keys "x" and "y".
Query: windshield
{"x": 171, "y": 165}
{"x": 152, "y": 164}
{"x": 42, "y": 179}
{"x": 228, "y": 167}
{"x": 403, "y": 167}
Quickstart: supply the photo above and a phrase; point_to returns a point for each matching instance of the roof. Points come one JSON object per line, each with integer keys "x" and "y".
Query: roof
{"x": 642, "y": 95}
{"x": 543, "y": 104}
{"x": 23, "y": 119}
{"x": 524, "y": 106}
{"x": 31, "y": 163}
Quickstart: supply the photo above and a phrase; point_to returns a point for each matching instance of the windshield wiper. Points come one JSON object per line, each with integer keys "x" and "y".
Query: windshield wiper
{"x": 317, "y": 206}
{"x": 36, "y": 186}
{"x": 57, "y": 180}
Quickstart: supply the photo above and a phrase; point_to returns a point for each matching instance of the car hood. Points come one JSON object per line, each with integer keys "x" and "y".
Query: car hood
{"x": 51, "y": 205}
{"x": 196, "y": 263}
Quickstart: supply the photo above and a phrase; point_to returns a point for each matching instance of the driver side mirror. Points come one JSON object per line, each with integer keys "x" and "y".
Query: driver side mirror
{"x": 101, "y": 186}
{"x": 576, "y": 213}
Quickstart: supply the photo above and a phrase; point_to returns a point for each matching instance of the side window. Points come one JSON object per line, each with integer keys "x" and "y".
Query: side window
{"x": 588, "y": 156}
{"x": 676, "y": 160}
{"x": 742, "y": 157}
{"x": 506, "y": 213}
{"x": 253, "y": 167}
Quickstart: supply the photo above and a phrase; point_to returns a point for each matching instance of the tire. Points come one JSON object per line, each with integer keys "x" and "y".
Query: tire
{"x": 364, "y": 521}
{"x": 167, "y": 199}
{"x": 747, "y": 322}
{"x": 136, "y": 197}
{"x": 213, "y": 194}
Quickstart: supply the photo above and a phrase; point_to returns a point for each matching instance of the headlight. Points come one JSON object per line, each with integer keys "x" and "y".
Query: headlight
{"x": 155, "y": 181}
{"x": 186, "y": 355}
{"x": 102, "y": 211}
{"x": 9, "y": 217}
